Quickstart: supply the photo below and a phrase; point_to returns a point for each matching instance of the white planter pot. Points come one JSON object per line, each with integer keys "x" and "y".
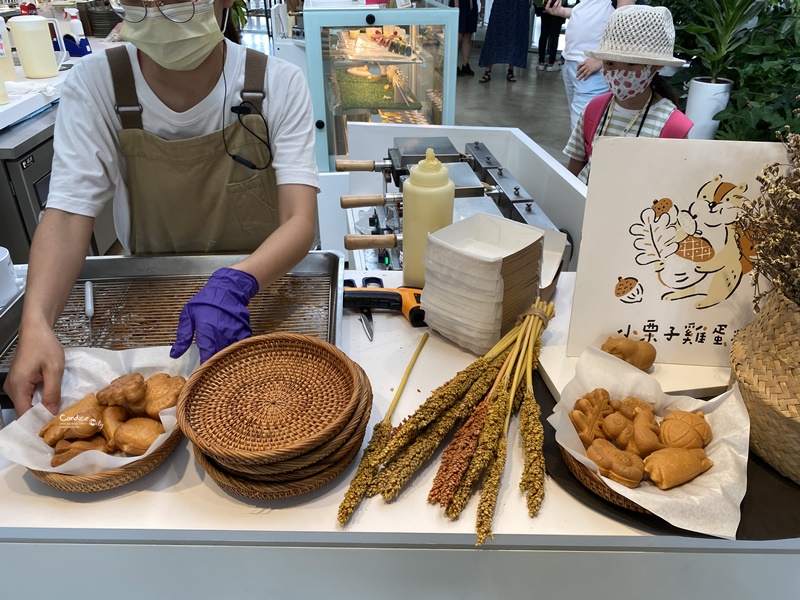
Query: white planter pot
{"x": 705, "y": 100}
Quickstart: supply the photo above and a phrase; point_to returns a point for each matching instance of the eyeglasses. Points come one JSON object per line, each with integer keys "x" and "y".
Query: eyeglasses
{"x": 135, "y": 11}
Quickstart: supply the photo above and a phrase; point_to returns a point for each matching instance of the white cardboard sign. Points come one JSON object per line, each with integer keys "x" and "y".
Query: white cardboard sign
{"x": 661, "y": 258}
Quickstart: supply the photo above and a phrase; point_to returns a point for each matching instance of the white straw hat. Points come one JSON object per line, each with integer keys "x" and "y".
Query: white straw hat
{"x": 639, "y": 34}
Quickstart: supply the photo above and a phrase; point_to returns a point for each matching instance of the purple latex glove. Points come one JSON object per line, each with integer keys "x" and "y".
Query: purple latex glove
{"x": 217, "y": 315}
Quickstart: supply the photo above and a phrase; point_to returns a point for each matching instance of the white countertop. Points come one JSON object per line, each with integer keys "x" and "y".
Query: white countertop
{"x": 178, "y": 503}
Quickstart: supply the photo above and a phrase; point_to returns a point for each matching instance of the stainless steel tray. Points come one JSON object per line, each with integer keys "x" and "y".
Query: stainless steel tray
{"x": 137, "y": 301}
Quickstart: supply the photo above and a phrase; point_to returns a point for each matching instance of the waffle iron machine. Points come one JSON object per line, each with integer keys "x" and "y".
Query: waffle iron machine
{"x": 482, "y": 185}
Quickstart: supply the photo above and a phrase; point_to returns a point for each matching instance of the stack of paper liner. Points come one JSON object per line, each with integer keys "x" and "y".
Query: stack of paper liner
{"x": 481, "y": 273}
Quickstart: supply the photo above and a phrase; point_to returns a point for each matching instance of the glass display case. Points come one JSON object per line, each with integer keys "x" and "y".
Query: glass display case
{"x": 370, "y": 63}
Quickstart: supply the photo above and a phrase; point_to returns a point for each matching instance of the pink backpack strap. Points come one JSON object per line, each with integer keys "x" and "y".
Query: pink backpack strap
{"x": 677, "y": 126}
{"x": 591, "y": 119}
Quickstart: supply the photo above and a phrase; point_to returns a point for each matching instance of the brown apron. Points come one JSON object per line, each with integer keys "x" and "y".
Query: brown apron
{"x": 188, "y": 196}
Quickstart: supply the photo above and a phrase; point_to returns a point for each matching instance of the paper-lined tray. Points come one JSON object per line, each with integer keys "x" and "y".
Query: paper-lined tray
{"x": 708, "y": 504}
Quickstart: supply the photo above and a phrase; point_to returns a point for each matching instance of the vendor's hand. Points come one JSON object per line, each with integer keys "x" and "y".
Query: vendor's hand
{"x": 217, "y": 315}
{"x": 589, "y": 67}
{"x": 39, "y": 359}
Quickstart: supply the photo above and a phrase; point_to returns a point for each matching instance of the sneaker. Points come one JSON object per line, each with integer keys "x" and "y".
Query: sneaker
{"x": 553, "y": 67}
{"x": 466, "y": 70}
{"x": 540, "y": 67}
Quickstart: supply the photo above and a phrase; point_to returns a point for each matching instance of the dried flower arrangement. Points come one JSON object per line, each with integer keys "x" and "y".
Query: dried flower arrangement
{"x": 482, "y": 398}
{"x": 772, "y": 221}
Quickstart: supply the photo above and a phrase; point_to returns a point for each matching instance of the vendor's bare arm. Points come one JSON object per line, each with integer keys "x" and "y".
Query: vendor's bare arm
{"x": 575, "y": 166}
{"x": 57, "y": 255}
{"x": 297, "y": 211}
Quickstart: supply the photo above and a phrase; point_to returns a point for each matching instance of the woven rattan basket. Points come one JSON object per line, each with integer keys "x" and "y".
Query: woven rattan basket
{"x": 591, "y": 481}
{"x": 269, "y": 399}
{"x": 111, "y": 479}
{"x": 272, "y": 490}
{"x": 765, "y": 360}
{"x": 309, "y": 463}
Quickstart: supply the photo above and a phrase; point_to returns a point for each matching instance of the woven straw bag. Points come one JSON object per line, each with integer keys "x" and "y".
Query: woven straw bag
{"x": 765, "y": 360}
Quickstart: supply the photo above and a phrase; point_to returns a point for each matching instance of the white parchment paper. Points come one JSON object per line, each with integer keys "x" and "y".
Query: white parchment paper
{"x": 89, "y": 370}
{"x": 709, "y": 503}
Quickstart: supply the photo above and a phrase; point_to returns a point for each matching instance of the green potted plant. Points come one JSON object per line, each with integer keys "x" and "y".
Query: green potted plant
{"x": 716, "y": 30}
{"x": 766, "y": 76}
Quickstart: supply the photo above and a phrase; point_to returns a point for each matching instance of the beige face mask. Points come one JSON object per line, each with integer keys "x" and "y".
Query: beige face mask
{"x": 175, "y": 46}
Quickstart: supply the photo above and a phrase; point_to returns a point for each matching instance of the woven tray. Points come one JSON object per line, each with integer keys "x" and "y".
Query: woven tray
{"x": 268, "y": 399}
{"x": 591, "y": 481}
{"x": 284, "y": 470}
{"x": 272, "y": 491}
{"x": 110, "y": 479}
{"x": 305, "y": 472}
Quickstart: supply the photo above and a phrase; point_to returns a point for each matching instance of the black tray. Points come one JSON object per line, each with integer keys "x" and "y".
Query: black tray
{"x": 769, "y": 508}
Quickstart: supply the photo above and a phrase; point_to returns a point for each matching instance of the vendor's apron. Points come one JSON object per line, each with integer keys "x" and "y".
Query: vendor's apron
{"x": 188, "y": 196}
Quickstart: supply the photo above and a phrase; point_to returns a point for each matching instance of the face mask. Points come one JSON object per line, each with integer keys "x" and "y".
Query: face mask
{"x": 175, "y": 46}
{"x": 627, "y": 84}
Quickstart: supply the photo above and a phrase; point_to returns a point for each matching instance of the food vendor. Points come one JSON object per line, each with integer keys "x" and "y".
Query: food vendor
{"x": 202, "y": 146}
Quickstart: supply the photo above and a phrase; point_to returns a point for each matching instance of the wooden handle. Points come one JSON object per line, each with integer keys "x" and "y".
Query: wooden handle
{"x": 361, "y": 201}
{"x": 292, "y": 13}
{"x": 355, "y": 165}
{"x": 362, "y": 242}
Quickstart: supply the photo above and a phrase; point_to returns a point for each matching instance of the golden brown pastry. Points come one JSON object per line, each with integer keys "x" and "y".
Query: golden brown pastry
{"x": 618, "y": 465}
{"x": 671, "y": 467}
{"x": 55, "y": 429}
{"x": 83, "y": 425}
{"x": 638, "y": 353}
{"x": 128, "y": 389}
{"x": 137, "y": 435}
{"x": 681, "y": 429}
{"x": 644, "y": 440}
{"x": 77, "y": 447}
{"x": 588, "y": 415}
{"x": 628, "y": 406}
{"x": 162, "y": 393}
{"x": 62, "y": 446}
{"x": 618, "y": 428}
{"x": 113, "y": 417}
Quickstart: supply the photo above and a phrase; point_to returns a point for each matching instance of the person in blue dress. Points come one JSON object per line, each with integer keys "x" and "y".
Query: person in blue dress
{"x": 507, "y": 38}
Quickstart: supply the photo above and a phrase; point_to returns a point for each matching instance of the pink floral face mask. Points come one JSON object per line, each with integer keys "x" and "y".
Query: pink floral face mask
{"x": 627, "y": 84}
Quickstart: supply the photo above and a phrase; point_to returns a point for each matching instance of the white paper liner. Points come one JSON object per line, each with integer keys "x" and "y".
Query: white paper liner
{"x": 708, "y": 504}
{"x": 89, "y": 370}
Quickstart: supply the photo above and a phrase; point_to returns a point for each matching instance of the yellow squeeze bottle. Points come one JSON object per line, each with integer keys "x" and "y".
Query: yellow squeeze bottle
{"x": 7, "y": 69}
{"x": 428, "y": 196}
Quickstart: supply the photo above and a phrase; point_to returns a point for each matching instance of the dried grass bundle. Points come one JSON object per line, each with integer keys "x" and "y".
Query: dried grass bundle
{"x": 772, "y": 221}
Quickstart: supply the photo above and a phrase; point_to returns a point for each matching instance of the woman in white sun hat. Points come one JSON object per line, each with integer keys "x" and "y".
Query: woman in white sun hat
{"x": 637, "y": 42}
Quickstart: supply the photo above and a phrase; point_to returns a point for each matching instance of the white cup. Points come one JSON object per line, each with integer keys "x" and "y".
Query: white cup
{"x": 8, "y": 279}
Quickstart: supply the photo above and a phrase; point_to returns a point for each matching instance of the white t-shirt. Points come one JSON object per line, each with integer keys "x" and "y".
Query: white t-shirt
{"x": 89, "y": 169}
{"x": 585, "y": 28}
{"x": 615, "y": 126}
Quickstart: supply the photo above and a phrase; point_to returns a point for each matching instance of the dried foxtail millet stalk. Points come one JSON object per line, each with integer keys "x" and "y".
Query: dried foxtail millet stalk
{"x": 401, "y": 469}
{"x": 456, "y": 457}
{"x": 365, "y": 472}
{"x": 442, "y": 399}
{"x": 490, "y": 492}
{"x": 485, "y": 450}
{"x": 532, "y": 481}
{"x": 531, "y": 429}
{"x": 369, "y": 464}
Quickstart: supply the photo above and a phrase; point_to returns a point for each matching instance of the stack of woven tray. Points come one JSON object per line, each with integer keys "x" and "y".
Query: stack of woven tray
{"x": 277, "y": 415}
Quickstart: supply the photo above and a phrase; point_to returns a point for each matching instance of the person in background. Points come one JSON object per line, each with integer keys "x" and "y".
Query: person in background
{"x": 548, "y": 38}
{"x": 637, "y": 42}
{"x": 467, "y": 26}
{"x": 507, "y": 38}
{"x": 202, "y": 146}
{"x": 582, "y": 79}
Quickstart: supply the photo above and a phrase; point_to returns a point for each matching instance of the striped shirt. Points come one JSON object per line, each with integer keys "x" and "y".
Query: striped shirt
{"x": 616, "y": 123}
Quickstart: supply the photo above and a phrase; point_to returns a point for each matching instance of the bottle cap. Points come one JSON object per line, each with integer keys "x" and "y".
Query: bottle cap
{"x": 429, "y": 172}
